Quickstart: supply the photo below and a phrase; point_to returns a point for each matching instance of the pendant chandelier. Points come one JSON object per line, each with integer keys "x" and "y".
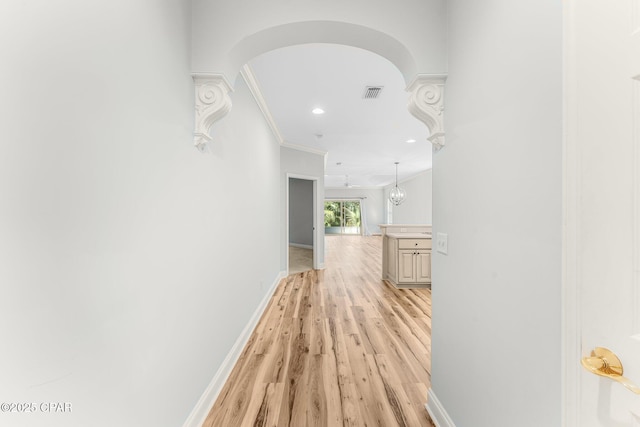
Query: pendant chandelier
{"x": 397, "y": 194}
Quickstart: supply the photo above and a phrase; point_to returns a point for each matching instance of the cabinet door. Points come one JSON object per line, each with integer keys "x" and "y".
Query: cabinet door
{"x": 423, "y": 267}
{"x": 406, "y": 267}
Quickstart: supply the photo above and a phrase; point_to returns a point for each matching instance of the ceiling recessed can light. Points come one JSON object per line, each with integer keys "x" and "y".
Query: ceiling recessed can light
{"x": 410, "y": 141}
{"x": 317, "y": 111}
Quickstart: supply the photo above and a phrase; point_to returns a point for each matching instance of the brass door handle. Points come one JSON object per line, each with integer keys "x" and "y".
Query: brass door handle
{"x": 605, "y": 363}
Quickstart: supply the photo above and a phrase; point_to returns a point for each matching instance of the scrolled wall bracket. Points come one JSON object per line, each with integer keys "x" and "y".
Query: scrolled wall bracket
{"x": 426, "y": 103}
{"x": 212, "y": 103}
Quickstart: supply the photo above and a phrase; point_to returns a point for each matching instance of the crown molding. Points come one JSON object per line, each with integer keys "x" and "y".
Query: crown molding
{"x": 254, "y": 86}
{"x": 304, "y": 148}
{"x": 250, "y": 78}
{"x": 212, "y": 103}
{"x": 426, "y": 103}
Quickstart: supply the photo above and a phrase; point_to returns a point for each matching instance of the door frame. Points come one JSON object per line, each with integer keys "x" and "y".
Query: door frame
{"x": 316, "y": 229}
{"x": 570, "y": 370}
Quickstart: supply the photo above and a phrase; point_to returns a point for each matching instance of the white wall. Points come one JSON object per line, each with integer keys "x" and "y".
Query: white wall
{"x": 307, "y": 165}
{"x": 374, "y": 204}
{"x": 410, "y": 33}
{"x": 122, "y": 248}
{"x": 301, "y": 211}
{"x": 497, "y": 193}
{"x": 417, "y": 207}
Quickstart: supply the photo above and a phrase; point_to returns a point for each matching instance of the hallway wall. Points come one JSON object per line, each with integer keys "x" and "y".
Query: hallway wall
{"x": 123, "y": 273}
{"x": 497, "y": 193}
{"x": 306, "y": 164}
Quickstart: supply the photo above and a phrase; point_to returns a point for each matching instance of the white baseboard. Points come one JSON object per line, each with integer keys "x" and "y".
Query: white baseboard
{"x": 437, "y": 412}
{"x": 300, "y": 245}
{"x": 208, "y": 398}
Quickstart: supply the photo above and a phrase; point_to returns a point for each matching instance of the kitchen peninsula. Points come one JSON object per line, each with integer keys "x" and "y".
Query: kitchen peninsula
{"x": 406, "y": 255}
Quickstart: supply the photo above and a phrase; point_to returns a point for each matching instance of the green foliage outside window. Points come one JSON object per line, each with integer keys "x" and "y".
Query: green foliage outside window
{"x": 334, "y": 212}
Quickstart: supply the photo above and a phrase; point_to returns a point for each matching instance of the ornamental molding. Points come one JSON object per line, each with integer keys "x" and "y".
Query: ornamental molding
{"x": 212, "y": 104}
{"x": 250, "y": 79}
{"x": 426, "y": 103}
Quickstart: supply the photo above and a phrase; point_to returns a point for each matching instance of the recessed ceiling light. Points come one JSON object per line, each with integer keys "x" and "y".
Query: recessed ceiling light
{"x": 410, "y": 141}
{"x": 317, "y": 111}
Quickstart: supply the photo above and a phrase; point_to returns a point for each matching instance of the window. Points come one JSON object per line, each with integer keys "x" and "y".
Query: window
{"x": 342, "y": 217}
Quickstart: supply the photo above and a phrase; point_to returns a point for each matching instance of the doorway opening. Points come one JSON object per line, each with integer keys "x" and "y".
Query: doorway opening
{"x": 301, "y": 224}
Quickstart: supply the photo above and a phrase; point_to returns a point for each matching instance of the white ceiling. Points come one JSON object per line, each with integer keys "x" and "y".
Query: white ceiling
{"x": 366, "y": 135}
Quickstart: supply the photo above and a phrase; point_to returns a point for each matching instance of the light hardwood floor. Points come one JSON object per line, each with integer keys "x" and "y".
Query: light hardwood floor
{"x": 300, "y": 259}
{"x": 337, "y": 347}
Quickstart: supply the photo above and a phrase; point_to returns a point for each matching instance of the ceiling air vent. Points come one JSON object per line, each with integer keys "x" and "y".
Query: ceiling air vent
{"x": 372, "y": 92}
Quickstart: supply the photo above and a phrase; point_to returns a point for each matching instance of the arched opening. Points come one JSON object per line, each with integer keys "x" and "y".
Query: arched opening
{"x": 351, "y": 309}
{"x": 325, "y": 32}
{"x": 425, "y": 101}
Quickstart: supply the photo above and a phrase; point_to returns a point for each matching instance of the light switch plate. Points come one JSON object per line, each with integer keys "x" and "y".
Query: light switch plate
{"x": 442, "y": 245}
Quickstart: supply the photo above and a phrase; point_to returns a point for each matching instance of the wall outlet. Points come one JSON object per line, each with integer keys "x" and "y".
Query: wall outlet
{"x": 442, "y": 245}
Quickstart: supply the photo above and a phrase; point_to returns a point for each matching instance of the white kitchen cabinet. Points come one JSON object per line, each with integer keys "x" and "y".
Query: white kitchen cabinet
{"x": 421, "y": 230}
{"x": 408, "y": 259}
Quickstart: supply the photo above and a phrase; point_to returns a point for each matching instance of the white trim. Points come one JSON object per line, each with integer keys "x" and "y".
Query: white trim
{"x": 205, "y": 403}
{"x": 250, "y": 78}
{"x": 437, "y": 412}
{"x": 300, "y": 245}
{"x": 571, "y": 350}
{"x": 254, "y": 86}
{"x": 303, "y": 148}
{"x": 636, "y": 200}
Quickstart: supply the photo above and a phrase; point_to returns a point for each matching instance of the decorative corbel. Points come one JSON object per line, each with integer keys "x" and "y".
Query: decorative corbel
{"x": 212, "y": 104}
{"x": 426, "y": 103}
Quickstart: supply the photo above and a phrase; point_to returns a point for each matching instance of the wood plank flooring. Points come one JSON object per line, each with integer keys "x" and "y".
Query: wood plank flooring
{"x": 335, "y": 347}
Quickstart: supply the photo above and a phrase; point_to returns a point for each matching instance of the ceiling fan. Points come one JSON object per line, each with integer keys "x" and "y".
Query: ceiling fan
{"x": 346, "y": 183}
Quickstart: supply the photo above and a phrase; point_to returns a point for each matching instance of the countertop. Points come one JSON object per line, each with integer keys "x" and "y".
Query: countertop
{"x": 409, "y": 235}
